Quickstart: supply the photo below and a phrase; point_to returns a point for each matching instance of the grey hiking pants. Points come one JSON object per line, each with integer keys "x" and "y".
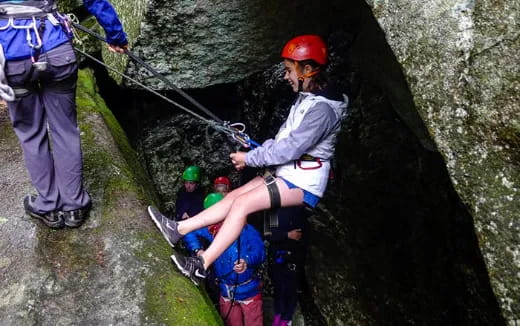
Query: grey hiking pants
{"x": 44, "y": 118}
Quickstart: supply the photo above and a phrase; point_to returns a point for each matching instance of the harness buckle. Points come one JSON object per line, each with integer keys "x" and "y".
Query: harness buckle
{"x": 40, "y": 65}
{"x": 269, "y": 180}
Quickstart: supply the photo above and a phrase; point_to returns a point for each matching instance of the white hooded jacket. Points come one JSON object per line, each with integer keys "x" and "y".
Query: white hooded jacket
{"x": 311, "y": 128}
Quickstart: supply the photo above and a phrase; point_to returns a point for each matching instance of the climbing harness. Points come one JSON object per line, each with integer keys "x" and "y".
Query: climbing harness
{"x": 308, "y": 158}
{"x": 34, "y": 12}
{"x": 235, "y": 131}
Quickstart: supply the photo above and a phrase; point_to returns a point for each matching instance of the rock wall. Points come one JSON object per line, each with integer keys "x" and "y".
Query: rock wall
{"x": 130, "y": 13}
{"x": 423, "y": 77}
{"x": 201, "y": 43}
{"x": 460, "y": 59}
{"x": 115, "y": 269}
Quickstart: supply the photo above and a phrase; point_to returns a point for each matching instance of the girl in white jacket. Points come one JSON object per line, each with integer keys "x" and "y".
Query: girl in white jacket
{"x": 301, "y": 152}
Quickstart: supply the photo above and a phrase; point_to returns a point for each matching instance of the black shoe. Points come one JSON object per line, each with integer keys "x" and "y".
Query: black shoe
{"x": 167, "y": 226}
{"x": 51, "y": 219}
{"x": 75, "y": 218}
{"x": 191, "y": 267}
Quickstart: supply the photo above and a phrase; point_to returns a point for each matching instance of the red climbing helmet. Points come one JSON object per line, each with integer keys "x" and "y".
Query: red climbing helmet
{"x": 222, "y": 181}
{"x": 305, "y": 47}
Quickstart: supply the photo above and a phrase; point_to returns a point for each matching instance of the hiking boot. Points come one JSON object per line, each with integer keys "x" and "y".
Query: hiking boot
{"x": 191, "y": 267}
{"x": 167, "y": 226}
{"x": 51, "y": 219}
{"x": 75, "y": 218}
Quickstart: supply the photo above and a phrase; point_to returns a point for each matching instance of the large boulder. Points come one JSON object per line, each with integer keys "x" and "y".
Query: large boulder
{"x": 460, "y": 59}
{"x": 115, "y": 269}
{"x": 202, "y": 43}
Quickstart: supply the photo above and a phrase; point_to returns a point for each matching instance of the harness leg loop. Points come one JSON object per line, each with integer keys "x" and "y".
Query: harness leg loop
{"x": 274, "y": 192}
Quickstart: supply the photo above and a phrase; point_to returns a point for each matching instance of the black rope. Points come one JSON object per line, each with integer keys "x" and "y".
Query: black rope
{"x": 218, "y": 124}
{"x": 154, "y": 72}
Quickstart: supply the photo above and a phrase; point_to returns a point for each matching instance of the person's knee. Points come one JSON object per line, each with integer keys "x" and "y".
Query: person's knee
{"x": 240, "y": 207}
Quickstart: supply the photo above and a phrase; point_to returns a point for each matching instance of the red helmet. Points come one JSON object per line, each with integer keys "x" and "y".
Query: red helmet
{"x": 222, "y": 181}
{"x": 306, "y": 47}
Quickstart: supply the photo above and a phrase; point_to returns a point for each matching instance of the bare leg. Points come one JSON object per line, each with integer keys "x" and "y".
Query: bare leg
{"x": 252, "y": 201}
{"x": 217, "y": 212}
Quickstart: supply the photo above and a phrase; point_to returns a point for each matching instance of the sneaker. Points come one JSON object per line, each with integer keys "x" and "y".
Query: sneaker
{"x": 51, "y": 219}
{"x": 167, "y": 226}
{"x": 191, "y": 267}
{"x": 75, "y": 218}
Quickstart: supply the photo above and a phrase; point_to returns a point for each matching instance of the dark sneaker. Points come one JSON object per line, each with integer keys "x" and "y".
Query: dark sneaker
{"x": 167, "y": 226}
{"x": 191, "y": 267}
{"x": 75, "y": 218}
{"x": 51, "y": 219}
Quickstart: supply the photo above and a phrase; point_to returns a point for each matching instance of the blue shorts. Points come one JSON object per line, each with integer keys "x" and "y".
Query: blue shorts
{"x": 308, "y": 198}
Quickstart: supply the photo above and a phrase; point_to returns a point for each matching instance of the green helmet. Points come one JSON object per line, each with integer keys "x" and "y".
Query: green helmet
{"x": 192, "y": 173}
{"x": 212, "y": 199}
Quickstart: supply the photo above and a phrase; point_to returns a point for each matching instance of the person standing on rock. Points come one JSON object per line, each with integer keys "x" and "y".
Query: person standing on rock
{"x": 301, "y": 153}
{"x": 38, "y": 76}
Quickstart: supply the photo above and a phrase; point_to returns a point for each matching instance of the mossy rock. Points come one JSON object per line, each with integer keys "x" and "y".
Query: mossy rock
{"x": 113, "y": 270}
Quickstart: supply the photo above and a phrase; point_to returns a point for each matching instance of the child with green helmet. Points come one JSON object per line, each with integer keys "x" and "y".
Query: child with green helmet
{"x": 190, "y": 197}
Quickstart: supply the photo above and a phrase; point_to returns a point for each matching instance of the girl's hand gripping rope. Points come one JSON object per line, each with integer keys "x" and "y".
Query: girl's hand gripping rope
{"x": 238, "y": 159}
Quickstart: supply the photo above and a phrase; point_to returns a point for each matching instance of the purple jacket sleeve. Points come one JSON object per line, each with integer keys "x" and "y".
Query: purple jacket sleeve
{"x": 107, "y": 18}
{"x": 316, "y": 124}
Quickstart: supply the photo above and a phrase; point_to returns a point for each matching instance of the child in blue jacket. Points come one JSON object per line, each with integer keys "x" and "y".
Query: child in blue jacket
{"x": 235, "y": 271}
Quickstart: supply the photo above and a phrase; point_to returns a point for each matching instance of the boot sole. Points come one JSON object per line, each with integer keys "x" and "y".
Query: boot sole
{"x": 54, "y": 225}
{"x": 74, "y": 225}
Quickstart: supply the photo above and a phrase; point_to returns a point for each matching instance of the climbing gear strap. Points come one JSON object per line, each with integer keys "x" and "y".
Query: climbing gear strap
{"x": 274, "y": 192}
{"x": 26, "y": 10}
{"x": 30, "y": 29}
{"x": 307, "y": 75}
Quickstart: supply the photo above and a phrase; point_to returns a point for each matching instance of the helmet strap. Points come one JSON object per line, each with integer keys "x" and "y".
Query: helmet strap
{"x": 301, "y": 78}
{"x": 300, "y": 84}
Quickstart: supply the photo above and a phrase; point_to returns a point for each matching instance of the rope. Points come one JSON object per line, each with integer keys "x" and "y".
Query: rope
{"x": 180, "y": 106}
{"x": 235, "y": 131}
{"x": 155, "y": 73}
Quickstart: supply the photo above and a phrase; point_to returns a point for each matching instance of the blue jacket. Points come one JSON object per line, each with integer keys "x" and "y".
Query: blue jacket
{"x": 251, "y": 250}
{"x": 15, "y": 44}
